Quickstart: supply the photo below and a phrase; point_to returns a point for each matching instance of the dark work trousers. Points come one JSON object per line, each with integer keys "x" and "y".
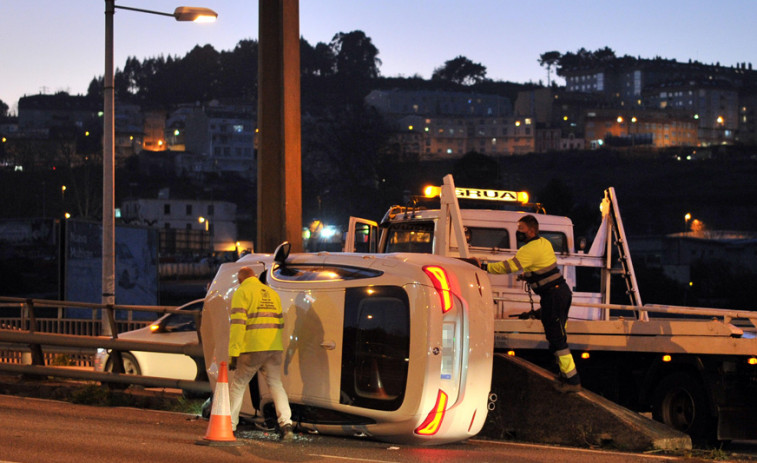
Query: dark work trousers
{"x": 555, "y": 303}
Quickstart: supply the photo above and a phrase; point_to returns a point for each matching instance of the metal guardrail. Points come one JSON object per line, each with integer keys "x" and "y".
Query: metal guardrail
{"x": 150, "y": 381}
{"x": 726, "y": 314}
{"x": 32, "y": 339}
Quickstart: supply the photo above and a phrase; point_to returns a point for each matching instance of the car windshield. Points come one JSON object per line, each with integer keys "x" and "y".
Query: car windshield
{"x": 182, "y": 322}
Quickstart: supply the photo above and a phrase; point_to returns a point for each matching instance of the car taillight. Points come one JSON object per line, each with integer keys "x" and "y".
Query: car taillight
{"x": 433, "y": 421}
{"x": 441, "y": 283}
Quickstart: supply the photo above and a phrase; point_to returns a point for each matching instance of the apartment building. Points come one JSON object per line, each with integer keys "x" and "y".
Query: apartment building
{"x": 198, "y": 225}
{"x": 217, "y": 139}
{"x": 623, "y": 128}
{"x": 716, "y": 96}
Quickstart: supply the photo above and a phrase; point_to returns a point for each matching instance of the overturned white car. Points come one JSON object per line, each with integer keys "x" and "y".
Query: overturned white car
{"x": 393, "y": 346}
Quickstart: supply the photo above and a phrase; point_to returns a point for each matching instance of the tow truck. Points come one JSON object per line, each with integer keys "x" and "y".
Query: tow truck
{"x": 694, "y": 369}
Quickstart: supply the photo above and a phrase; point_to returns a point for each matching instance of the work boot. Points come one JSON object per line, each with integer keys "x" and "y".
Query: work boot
{"x": 564, "y": 387}
{"x": 286, "y": 433}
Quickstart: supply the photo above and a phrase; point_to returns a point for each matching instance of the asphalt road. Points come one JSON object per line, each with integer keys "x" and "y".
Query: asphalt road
{"x": 38, "y": 430}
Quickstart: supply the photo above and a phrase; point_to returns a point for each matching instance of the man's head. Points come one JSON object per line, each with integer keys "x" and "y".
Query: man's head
{"x": 244, "y": 273}
{"x": 529, "y": 226}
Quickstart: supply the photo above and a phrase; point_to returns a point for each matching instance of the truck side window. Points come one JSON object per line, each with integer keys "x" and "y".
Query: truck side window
{"x": 558, "y": 239}
{"x": 488, "y": 237}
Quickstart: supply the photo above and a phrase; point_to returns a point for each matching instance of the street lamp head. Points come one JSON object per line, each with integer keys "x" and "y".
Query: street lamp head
{"x": 196, "y": 14}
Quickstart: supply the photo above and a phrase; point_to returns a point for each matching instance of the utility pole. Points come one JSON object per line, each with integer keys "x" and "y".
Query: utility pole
{"x": 279, "y": 145}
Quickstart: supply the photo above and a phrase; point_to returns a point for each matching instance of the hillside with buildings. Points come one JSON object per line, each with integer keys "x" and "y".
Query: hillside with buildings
{"x": 673, "y": 138}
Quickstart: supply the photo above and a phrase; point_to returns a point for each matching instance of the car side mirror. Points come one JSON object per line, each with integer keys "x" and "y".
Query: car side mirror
{"x": 282, "y": 252}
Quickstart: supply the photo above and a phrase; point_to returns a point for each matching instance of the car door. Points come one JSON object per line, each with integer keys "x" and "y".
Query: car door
{"x": 362, "y": 236}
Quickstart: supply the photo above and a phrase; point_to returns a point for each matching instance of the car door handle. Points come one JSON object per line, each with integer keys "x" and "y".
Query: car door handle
{"x": 330, "y": 345}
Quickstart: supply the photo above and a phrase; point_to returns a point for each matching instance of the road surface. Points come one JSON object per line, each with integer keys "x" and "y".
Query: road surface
{"x": 39, "y": 430}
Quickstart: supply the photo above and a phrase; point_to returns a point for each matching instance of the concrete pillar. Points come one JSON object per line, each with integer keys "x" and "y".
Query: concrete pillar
{"x": 279, "y": 138}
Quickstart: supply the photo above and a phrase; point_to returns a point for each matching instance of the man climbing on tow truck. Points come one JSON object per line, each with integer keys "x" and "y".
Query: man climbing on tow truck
{"x": 536, "y": 258}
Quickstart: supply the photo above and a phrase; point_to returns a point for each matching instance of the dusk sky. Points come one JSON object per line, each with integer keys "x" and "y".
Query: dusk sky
{"x": 58, "y": 45}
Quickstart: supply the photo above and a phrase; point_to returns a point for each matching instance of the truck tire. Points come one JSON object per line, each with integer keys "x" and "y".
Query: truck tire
{"x": 680, "y": 402}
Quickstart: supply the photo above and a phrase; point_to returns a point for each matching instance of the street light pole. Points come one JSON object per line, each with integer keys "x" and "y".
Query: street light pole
{"x": 108, "y": 213}
{"x": 109, "y": 239}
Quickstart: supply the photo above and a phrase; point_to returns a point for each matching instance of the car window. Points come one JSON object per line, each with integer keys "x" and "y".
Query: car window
{"x": 323, "y": 273}
{"x": 180, "y": 321}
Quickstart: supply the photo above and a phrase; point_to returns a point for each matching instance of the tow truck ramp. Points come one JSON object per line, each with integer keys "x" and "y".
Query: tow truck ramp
{"x": 529, "y": 408}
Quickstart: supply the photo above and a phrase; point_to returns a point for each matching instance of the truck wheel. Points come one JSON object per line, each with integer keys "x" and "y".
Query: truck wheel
{"x": 680, "y": 402}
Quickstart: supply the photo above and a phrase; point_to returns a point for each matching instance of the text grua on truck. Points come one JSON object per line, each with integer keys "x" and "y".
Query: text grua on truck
{"x": 696, "y": 373}
{"x": 375, "y": 345}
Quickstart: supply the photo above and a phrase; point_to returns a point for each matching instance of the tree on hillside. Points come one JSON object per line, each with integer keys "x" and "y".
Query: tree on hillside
{"x": 461, "y": 71}
{"x": 356, "y": 56}
{"x": 605, "y": 54}
{"x": 556, "y": 197}
{"x": 584, "y": 57}
{"x": 318, "y": 60}
{"x": 350, "y": 170}
{"x": 198, "y": 72}
{"x": 477, "y": 170}
{"x": 549, "y": 59}
{"x": 238, "y": 76}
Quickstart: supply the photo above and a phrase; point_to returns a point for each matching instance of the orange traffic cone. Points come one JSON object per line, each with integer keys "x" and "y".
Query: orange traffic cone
{"x": 219, "y": 427}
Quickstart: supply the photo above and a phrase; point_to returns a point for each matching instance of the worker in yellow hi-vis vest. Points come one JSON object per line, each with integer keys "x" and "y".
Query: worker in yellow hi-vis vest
{"x": 255, "y": 345}
{"x": 536, "y": 259}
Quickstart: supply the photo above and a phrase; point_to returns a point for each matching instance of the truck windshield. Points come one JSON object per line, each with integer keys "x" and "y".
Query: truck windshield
{"x": 410, "y": 237}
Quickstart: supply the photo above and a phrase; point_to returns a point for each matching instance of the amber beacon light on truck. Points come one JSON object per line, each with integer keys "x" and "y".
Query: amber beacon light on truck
{"x": 481, "y": 193}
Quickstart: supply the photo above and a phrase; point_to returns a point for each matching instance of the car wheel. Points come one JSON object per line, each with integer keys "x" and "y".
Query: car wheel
{"x": 680, "y": 402}
{"x": 131, "y": 366}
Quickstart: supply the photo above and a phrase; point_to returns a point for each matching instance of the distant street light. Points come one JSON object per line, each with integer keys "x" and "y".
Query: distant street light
{"x": 686, "y": 219}
{"x": 63, "y": 197}
{"x": 182, "y": 13}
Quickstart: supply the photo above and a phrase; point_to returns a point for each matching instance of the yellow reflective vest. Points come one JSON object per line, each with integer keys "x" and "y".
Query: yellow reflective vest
{"x": 256, "y": 319}
{"x": 538, "y": 262}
